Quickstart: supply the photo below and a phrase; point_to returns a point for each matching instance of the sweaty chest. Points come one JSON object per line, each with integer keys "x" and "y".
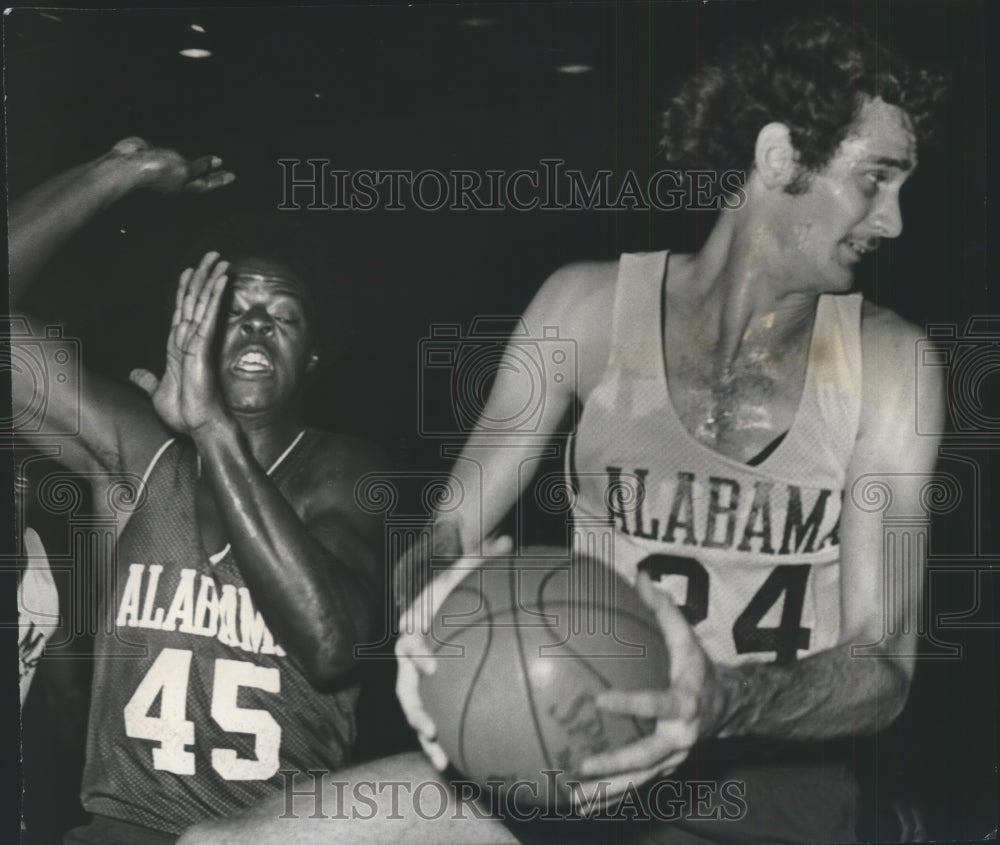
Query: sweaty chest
{"x": 740, "y": 407}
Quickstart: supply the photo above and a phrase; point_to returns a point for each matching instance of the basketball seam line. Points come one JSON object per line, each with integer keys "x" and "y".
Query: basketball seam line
{"x": 491, "y": 622}
{"x": 472, "y": 689}
{"x": 592, "y": 669}
{"x": 524, "y": 671}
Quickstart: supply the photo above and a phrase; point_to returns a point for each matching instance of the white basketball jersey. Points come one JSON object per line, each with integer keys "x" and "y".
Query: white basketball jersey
{"x": 751, "y": 552}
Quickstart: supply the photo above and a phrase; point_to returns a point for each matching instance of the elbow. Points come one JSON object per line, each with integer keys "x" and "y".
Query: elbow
{"x": 332, "y": 657}
{"x": 324, "y": 671}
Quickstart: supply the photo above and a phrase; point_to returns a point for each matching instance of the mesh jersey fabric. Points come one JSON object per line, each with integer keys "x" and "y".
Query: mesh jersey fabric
{"x": 195, "y": 708}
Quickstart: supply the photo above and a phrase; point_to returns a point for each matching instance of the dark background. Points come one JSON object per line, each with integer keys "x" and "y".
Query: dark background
{"x": 466, "y": 87}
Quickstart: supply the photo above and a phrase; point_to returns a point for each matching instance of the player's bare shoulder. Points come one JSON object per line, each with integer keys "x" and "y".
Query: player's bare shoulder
{"x": 579, "y": 300}
{"x": 893, "y": 380}
{"x": 888, "y": 347}
{"x": 882, "y": 326}
{"x": 580, "y": 294}
{"x": 326, "y": 477}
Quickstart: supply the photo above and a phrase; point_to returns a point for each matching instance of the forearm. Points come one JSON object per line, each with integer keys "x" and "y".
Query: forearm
{"x": 316, "y": 605}
{"x": 49, "y": 214}
{"x": 490, "y": 475}
{"x": 485, "y": 489}
{"x": 825, "y": 696}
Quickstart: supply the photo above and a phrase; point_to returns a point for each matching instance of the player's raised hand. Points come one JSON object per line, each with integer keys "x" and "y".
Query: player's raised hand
{"x": 164, "y": 170}
{"x": 186, "y": 397}
{"x": 688, "y": 711}
{"x": 414, "y": 647}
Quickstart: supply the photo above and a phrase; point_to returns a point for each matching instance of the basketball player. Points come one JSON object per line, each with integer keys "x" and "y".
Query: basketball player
{"x": 247, "y": 573}
{"x": 733, "y": 406}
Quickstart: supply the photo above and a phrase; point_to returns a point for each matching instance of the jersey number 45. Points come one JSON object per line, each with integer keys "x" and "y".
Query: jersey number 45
{"x": 167, "y": 679}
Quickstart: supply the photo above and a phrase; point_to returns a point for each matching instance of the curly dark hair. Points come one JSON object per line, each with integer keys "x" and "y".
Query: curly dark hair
{"x": 814, "y": 76}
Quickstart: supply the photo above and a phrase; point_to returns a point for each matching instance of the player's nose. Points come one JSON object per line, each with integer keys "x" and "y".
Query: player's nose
{"x": 256, "y": 321}
{"x": 888, "y": 218}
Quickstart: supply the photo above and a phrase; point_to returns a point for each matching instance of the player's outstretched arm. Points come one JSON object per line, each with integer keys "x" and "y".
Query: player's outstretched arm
{"x": 839, "y": 692}
{"x": 569, "y": 315}
{"x": 496, "y": 465}
{"x": 46, "y": 216}
{"x": 496, "y": 462}
{"x": 39, "y": 222}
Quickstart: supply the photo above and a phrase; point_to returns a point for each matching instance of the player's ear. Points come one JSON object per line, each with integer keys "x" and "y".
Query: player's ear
{"x": 774, "y": 156}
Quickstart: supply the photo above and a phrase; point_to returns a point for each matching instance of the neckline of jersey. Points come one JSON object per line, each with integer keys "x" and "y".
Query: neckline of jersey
{"x": 807, "y": 384}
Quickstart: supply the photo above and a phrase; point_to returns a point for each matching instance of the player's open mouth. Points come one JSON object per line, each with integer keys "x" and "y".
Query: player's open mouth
{"x": 858, "y": 249}
{"x": 254, "y": 362}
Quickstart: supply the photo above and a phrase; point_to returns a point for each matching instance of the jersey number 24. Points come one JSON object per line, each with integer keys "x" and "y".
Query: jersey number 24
{"x": 785, "y": 640}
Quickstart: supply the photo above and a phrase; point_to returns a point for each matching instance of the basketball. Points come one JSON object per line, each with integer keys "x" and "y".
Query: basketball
{"x": 524, "y": 645}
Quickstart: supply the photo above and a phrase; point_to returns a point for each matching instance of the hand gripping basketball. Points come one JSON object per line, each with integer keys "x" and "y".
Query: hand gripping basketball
{"x": 689, "y": 710}
{"x": 413, "y": 650}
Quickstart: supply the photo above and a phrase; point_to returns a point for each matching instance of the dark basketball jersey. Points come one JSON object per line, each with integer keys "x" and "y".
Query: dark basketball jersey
{"x": 195, "y": 707}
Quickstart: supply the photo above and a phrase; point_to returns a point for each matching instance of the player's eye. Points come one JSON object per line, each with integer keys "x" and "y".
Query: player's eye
{"x": 877, "y": 177}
